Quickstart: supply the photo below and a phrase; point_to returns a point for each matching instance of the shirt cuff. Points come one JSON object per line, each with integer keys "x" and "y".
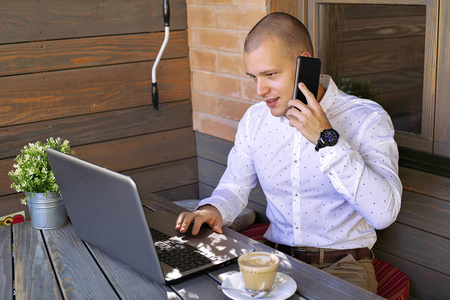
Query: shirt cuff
{"x": 219, "y": 205}
{"x": 328, "y": 156}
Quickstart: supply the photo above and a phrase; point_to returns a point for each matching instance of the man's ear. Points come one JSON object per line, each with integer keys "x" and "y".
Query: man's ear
{"x": 306, "y": 54}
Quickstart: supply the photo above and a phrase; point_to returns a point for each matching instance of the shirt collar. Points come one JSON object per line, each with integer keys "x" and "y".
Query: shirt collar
{"x": 331, "y": 91}
{"x": 282, "y": 119}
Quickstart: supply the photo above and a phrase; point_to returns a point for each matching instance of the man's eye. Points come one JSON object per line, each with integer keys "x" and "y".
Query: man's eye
{"x": 252, "y": 77}
{"x": 270, "y": 74}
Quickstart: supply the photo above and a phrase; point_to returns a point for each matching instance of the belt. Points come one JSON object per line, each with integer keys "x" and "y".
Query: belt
{"x": 313, "y": 257}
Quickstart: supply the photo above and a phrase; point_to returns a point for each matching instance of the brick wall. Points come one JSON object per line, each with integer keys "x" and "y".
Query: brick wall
{"x": 221, "y": 91}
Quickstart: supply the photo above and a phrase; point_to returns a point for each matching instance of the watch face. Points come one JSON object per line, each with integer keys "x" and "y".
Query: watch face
{"x": 330, "y": 137}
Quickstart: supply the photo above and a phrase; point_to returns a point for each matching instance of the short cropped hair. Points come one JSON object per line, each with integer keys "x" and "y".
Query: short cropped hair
{"x": 292, "y": 34}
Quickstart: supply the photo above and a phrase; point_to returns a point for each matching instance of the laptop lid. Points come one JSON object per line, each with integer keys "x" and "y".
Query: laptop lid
{"x": 106, "y": 211}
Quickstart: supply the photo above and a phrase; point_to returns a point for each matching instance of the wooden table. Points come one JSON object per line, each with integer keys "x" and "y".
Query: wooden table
{"x": 56, "y": 264}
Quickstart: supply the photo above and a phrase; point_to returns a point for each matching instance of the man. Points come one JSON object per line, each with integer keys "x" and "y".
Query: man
{"x": 324, "y": 199}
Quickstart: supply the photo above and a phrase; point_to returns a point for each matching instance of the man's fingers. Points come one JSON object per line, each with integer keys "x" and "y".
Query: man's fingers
{"x": 207, "y": 214}
{"x": 296, "y": 106}
{"x": 214, "y": 223}
{"x": 310, "y": 99}
{"x": 180, "y": 220}
{"x": 184, "y": 220}
{"x": 217, "y": 229}
{"x": 198, "y": 222}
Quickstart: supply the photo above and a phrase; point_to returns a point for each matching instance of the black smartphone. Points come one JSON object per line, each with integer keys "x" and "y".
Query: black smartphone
{"x": 308, "y": 72}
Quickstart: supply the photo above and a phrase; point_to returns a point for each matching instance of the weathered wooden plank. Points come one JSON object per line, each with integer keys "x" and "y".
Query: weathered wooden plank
{"x": 91, "y": 128}
{"x": 425, "y": 183}
{"x": 77, "y": 271}
{"x": 210, "y": 172}
{"x": 126, "y": 153}
{"x": 180, "y": 193}
{"x": 425, "y": 213}
{"x": 152, "y": 202}
{"x": 32, "y": 265}
{"x": 442, "y": 148}
{"x": 88, "y": 52}
{"x": 165, "y": 176}
{"x": 5, "y": 182}
{"x": 46, "y": 96}
{"x": 128, "y": 283}
{"x": 199, "y": 287}
{"x": 6, "y": 271}
{"x": 204, "y": 190}
{"x": 30, "y": 20}
{"x": 10, "y": 204}
{"x": 213, "y": 148}
{"x": 137, "y": 152}
{"x": 424, "y": 282}
{"x": 415, "y": 245}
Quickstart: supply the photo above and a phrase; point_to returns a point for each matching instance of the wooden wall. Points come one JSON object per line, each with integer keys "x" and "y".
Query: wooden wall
{"x": 418, "y": 242}
{"x": 81, "y": 70}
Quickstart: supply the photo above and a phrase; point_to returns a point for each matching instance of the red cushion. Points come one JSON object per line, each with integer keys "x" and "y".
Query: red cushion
{"x": 256, "y": 231}
{"x": 393, "y": 284}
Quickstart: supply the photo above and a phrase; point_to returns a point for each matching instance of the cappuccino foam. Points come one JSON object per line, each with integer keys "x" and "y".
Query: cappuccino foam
{"x": 259, "y": 261}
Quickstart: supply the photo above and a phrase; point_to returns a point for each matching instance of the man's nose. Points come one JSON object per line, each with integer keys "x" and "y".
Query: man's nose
{"x": 261, "y": 87}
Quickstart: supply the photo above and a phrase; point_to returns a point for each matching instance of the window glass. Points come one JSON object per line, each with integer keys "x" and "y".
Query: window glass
{"x": 377, "y": 52}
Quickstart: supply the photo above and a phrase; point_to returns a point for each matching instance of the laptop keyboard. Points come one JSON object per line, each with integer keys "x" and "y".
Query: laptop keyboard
{"x": 179, "y": 256}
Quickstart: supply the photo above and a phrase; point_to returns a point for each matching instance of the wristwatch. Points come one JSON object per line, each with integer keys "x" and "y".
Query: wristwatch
{"x": 328, "y": 137}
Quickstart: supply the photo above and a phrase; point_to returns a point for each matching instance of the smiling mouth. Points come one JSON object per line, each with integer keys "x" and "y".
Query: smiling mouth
{"x": 272, "y": 100}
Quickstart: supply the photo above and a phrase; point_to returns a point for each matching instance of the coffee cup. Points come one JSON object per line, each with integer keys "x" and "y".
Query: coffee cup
{"x": 259, "y": 270}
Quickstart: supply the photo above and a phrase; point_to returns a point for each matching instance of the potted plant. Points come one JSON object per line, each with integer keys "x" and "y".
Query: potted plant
{"x": 33, "y": 175}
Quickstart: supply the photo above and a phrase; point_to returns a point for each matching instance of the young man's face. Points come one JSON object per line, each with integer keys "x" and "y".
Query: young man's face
{"x": 273, "y": 73}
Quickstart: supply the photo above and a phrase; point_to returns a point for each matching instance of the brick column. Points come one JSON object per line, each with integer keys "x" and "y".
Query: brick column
{"x": 221, "y": 91}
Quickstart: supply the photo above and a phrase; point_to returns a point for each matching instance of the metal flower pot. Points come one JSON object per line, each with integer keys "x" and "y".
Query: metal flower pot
{"x": 47, "y": 212}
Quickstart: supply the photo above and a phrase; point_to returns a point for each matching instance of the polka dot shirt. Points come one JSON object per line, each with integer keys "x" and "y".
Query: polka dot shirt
{"x": 334, "y": 198}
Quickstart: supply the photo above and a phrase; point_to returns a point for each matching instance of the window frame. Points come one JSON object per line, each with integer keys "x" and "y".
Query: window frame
{"x": 425, "y": 140}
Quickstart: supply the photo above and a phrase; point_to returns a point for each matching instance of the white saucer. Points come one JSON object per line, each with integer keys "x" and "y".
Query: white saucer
{"x": 285, "y": 287}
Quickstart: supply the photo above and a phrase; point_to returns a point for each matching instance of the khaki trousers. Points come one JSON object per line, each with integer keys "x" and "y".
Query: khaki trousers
{"x": 361, "y": 273}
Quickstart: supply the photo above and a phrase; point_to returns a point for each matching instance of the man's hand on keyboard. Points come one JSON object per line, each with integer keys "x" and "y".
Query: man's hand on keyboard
{"x": 206, "y": 214}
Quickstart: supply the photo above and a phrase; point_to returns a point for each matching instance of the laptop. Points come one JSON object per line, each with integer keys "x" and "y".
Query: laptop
{"x": 105, "y": 210}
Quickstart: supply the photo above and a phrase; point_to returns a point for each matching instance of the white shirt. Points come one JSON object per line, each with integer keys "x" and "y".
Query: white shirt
{"x": 334, "y": 198}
